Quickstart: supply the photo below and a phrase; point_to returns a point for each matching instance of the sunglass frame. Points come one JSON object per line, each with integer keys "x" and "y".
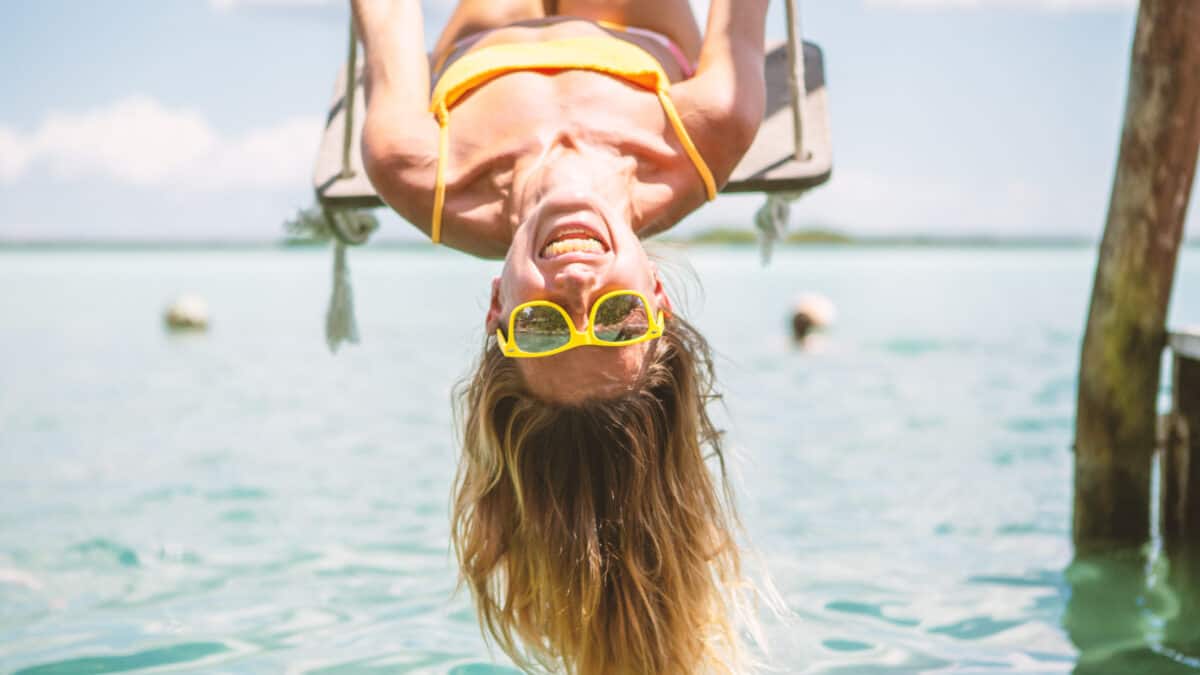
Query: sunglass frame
{"x": 579, "y": 338}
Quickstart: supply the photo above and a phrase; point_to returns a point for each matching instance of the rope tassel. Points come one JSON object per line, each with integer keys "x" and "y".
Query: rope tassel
{"x": 772, "y": 220}
{"x": 340, "y": 324}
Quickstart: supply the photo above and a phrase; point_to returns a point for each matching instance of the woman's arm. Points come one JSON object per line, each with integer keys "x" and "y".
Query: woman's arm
{"x": 722, "y": 104}
{"x": 399, "y": 143}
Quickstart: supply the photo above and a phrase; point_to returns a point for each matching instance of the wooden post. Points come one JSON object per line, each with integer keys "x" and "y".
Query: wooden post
{"x": 1119, "y": 366}
{"x": 1180, "y": 510}
{"x": 1180, "y": 494}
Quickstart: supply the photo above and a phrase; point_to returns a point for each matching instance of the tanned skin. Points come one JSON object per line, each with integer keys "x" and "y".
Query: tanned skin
{"x": 503, "y": 133}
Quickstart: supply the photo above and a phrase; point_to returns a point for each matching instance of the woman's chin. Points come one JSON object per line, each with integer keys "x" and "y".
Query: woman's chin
{"x": 584, "y": 374}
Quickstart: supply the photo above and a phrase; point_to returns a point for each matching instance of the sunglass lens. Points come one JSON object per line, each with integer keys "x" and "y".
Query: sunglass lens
{"x": 540, "y": 329}
{"x": 621, "y": 318}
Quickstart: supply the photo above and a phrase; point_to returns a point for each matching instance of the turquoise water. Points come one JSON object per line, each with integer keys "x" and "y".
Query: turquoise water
{"x": 241, "y": 501}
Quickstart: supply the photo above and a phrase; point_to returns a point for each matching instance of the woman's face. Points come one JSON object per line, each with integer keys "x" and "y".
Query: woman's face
{"x": 572, "y": 249}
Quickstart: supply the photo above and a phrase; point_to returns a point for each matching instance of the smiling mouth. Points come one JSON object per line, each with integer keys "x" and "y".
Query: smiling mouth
{"x": 572, "y": 226}
{"x": 573, "y": 241}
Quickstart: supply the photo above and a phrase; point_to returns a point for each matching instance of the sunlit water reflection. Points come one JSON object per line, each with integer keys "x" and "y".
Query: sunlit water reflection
{"x": 240, "y": 501}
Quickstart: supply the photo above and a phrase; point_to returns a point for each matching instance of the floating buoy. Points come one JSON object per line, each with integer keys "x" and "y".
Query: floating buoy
{"x": 187, "y": 312}
{"x": 812, "y": 312}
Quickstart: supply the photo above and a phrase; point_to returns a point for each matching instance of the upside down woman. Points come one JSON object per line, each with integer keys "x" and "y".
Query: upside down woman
{"x": 558, "y": 134}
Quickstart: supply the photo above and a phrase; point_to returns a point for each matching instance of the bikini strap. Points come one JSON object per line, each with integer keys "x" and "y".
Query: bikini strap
{"x": 439, "y": 191}
{"x": 710, "y": 185}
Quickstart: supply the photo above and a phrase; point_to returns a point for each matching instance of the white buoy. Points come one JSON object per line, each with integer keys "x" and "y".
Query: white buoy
{"x": 811, "y": 312}
{"x": 187, "y": 312}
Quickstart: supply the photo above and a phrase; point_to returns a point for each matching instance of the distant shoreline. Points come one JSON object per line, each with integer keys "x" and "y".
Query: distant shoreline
{"x": 824, "y": 237}
{"x": 717, "y": 237}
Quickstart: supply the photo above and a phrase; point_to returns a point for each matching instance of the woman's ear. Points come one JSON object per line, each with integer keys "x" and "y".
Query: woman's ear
{"x": 660, "y": 296}
{"x": 493, "y": 313}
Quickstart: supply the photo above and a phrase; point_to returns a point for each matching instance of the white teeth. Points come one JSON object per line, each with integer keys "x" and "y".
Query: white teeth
{"x": 563, "y": 246}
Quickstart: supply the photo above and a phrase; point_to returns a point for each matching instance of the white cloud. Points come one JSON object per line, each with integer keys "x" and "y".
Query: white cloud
{"x": 139, "y": 141}
{"x": 1048, "y": 5}
{"x": 136, "y": 140}
{"x": 281, "y": 155}
{"x": 14, "y": 155}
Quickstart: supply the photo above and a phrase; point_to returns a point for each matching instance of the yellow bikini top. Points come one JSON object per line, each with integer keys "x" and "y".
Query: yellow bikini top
{"x": 602, "y": 54}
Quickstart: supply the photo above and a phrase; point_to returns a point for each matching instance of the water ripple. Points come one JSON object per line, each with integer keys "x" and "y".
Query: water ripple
{"x": 189, "y": 652}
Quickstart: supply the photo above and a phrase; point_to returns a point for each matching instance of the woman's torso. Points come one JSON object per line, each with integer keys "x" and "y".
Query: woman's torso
{"x": 502, "y": 127}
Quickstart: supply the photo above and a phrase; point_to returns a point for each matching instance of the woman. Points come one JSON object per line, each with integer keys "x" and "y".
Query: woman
{"x": 557, "y": 135}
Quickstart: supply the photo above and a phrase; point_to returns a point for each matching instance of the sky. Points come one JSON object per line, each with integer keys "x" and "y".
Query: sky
{"x": 199, "y": 119}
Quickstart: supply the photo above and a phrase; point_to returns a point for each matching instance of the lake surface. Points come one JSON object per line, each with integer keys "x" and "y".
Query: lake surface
{"x": 242, "y": 501}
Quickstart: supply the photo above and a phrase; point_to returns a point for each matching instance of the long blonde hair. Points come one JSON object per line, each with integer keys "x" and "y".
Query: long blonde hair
{"x": 594, "y": 538}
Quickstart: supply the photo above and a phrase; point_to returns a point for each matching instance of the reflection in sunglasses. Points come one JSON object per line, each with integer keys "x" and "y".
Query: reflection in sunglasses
{"x": 620, "y": 319}
{"x": 540, "y": 329}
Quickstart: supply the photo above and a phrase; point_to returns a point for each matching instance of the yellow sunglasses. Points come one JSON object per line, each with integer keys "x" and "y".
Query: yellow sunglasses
{"x": 543, "y": 328}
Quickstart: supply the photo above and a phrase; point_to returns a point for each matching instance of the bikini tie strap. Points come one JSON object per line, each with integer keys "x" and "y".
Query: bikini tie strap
{"x": 710, "y": 185}
{"x": 439, "y": 192}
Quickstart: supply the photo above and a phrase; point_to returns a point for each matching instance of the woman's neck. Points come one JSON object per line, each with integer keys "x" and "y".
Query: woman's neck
{"x": 567, "y": 166}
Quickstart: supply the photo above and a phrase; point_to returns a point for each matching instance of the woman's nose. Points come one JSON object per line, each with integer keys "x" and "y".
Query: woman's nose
{"x": 575, "y": 278}
{"x": 573, "y": 286}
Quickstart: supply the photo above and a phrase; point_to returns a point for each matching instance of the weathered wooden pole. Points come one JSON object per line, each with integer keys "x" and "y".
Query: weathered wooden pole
{"x": 1119, "y": 367}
